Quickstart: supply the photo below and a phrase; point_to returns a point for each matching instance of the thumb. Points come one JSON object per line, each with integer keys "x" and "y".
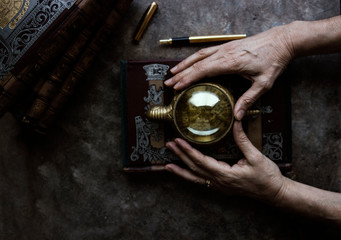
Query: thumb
{"x": 247, "y": 100}
{"x": 250, "y": 152}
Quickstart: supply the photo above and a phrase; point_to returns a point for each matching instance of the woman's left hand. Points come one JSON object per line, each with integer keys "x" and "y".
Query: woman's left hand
{"x": 254, "y": 176}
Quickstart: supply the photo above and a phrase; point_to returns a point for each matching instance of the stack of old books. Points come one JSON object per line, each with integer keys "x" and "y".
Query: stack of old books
{"x": 45, "y": 48}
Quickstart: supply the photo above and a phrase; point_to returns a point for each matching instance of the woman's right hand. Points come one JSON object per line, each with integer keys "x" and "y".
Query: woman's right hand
{"x": 260, "y": 58}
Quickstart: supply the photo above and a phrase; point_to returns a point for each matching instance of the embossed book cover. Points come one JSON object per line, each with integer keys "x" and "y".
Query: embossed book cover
{"x": 22, "y": 22}
{"x": 144, "y": 139}
{"x": 30, "y": 38}
{"x": 45, "y": 48}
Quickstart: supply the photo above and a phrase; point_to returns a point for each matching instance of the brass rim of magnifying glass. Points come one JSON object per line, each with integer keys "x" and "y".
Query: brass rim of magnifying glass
{"x": 205, "y": 140}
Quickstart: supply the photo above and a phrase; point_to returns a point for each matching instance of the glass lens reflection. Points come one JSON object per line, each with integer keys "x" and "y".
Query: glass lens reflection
{"x": 203, "y": 113}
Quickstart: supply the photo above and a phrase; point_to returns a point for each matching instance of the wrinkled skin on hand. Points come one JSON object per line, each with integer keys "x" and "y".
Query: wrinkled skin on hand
{"x": 260, "y": 58}
{"x": 254, "y": 176}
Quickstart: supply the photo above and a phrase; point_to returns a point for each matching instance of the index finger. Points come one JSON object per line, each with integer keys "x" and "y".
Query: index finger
{"x": 189, "y": 61}
{"x": 210, "y": 66}
{"x": 202, "y": 161}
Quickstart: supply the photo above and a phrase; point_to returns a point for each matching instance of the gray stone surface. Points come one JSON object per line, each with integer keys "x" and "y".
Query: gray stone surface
{"x": 69, "y": 184}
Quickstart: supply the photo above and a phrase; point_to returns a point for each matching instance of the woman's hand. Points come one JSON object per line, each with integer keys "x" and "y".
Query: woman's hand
{"x": 255, "y": 175}
{"x": 260, "y": 58}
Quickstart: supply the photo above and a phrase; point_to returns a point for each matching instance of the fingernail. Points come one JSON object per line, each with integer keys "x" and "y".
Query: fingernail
{"x": 240, "y": 114}
{"x": 177, "y": 86}
{"x": 169, "y": 145}
{"x": 174, "y": 69}
{"x": 168, "y": 81}
{"x": 169, "y": 169}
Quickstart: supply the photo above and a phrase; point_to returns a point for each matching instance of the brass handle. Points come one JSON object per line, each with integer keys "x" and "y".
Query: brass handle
{"x": 164, "y": 113}
{"x": 161, "y": 113}
{"x": 253, "y": 112}
{"x": 202, "y": 114}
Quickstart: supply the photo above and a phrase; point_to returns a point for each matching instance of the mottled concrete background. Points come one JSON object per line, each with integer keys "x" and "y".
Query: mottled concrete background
{"x": 69, "y": 185}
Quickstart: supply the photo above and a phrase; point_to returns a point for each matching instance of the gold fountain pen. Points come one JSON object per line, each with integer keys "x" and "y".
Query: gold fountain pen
{"x": 202, "y": 39}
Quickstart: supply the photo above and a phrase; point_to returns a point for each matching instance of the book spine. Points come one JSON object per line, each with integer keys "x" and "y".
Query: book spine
{"x": 123, "y": 77}
{"x": 64, "y": 66}
{"x": 27, "y": 77}
{"x": 82, "y": 65}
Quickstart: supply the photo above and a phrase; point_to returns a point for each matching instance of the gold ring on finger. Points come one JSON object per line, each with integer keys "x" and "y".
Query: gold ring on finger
{"x": 208, "y": 183}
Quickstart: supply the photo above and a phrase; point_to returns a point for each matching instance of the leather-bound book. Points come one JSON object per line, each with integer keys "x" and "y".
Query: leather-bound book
{"x": 52, "y": 82}
{"x": 144, "y": 139}
{"x": 83, "y": 63}
{"x": 33, "y": 38}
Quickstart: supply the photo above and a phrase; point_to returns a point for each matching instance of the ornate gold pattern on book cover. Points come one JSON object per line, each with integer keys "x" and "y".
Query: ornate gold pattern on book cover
{"x": 11, "y": 11}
